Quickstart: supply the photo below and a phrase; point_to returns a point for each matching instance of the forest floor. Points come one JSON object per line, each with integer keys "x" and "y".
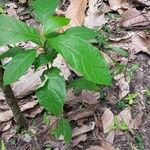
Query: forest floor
{"x": 117, "y": 117}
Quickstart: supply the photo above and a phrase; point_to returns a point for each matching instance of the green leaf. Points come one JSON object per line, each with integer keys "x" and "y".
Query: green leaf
{"x": 119, "y": 51}
{"x": 82, "y": 32}
{"x": 83, "y": 57}
{"x": 54, "y": 23}
{"x": 11, "y": 52}
{"x": 18, "y": 66}
{"x": 42, "y": 59}
{"x": 13, "y": 31}
{"x": 44, "y": 9}
{"x": 83, "y": 84}
{"x": 52, "y": 95}
{"x": 2, "y": 11}
{"x": 64, "y": 129}
{"x": 2, "y": 145}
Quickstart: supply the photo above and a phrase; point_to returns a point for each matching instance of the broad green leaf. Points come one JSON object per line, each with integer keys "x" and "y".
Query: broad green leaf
{"x": 54, "y": 23}
{"x": 64, "y": 129}
{"x": 44, "y": 9}
{"x": 83, "y": 57}
{"x": 11, "y": 52}
{"x": 119, "y": 51}
{"x": 83, "y": 84}
{"x": 82, "y": 32}
{"x": 18, "y": 66}
{"x": 13, "y": 31}
{"x": 52, "y": 95}
{"x": 42, "y": 59}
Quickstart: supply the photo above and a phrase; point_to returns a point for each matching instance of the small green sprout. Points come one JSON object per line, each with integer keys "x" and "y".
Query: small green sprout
{"x": 119, "y": 125}
{"x": 131, "y": 98}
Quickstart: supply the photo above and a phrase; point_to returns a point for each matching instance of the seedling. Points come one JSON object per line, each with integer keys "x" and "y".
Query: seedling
{"x": 139, "y": 141}
{"x": 119, "y": 125}
{"x": 131, "y": 98}
{"x": 147, "y": 91}
{"x": 132, "y": 70}
{"x": 73, "y": 45}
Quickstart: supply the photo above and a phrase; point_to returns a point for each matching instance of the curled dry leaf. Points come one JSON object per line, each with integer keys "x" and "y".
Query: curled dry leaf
{"x": 8, "y": 125}
{"x": 84, "y": 129}
{"x": 28, "y": 105}
{"x": 31, "y": 113}
{"x": 76, "y": 12}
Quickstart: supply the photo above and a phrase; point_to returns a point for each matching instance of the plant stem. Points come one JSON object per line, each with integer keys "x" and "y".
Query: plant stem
{"x": 12, "y": 101}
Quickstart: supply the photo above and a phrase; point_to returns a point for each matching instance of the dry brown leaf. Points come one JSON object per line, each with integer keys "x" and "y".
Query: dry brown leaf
{"x": 33, "y": 111}
{"x": 6, "y": 116}
{"x": 107, "y": 120}
{"x": 105, "y": 146}
{"x": 71, "y": 99}
{"x": 62, "y": 65}
{"x": 95, "y": 17}
{"x": 76, "y": 12}
{"x": 90, "y": 97}
{"x": 83, "y": 129}
{"x": 118, "y": 5}
{"x": 28, "y": 105}
{"x": 110, "y": 137}
{"x": 140, "y": 43}
{"x": 124, "y": 88}
{"x": 27, "y": 84}
{"x": 134, "y": 18}
{"x": 115, "y": 4}
{"x": 137, "y": 121}
{"x": 125, "y": 115}
{"x": 77, "y": 140}
{"x": 8, "y": 125}
{"x": 144, "y": 2}
{"x": 82, "y": 113}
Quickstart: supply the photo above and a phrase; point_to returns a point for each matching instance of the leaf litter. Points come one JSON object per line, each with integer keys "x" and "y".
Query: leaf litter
{"x": 82, "y": 109}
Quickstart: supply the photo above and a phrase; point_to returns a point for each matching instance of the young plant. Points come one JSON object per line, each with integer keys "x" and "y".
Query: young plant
{"x": 130, "y": 99}
{"x": 119, "y": 125}
{"x": 73, "y": 45}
